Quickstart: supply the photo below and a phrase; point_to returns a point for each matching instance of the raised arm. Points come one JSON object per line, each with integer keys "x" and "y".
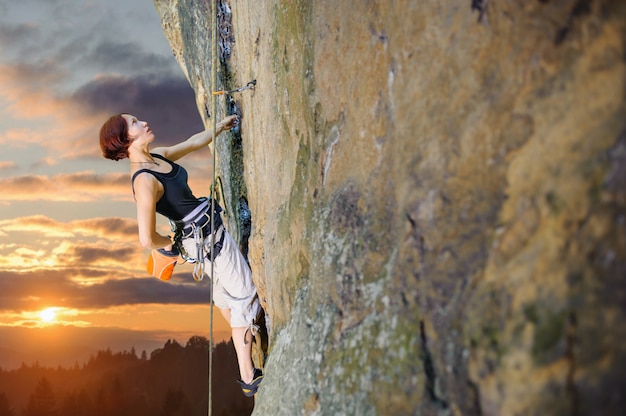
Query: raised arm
{"x": 197, "y": 141}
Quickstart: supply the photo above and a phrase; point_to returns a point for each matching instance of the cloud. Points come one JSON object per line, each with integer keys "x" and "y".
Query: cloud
{"x": 113, "y": 227}
{"x": 38, "y": 288}
{"x": 21, "y": 34}
{"x": 22, "y": 43}
{"x": 60, "y": 268}
{"x": 74, "y": 39}
{"x": 128, "y": 57}
{"x": 146, "y": 290}
{"x": 61, "y": 81}
{"x": 69, "y": 124}
{"x": 94, "y": 254}
{"x": 167, "y": 103}
{"x": 7, "y": 165}
{"x": 75, "y": 187}
{"x": 26, "y": 90}
{"x": 108, "y": 244}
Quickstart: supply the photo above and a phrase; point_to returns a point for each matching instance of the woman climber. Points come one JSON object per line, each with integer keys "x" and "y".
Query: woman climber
{"x": 160, "y": 186}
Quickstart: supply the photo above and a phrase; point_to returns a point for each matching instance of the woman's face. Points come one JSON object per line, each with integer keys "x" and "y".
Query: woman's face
{"x": 138, "y": 131}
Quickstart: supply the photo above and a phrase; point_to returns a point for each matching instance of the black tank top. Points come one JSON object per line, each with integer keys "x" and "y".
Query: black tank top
{"x": 177, "y": 200}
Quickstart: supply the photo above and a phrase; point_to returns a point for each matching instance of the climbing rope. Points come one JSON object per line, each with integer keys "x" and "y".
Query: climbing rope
{"x": 213, "y": 114}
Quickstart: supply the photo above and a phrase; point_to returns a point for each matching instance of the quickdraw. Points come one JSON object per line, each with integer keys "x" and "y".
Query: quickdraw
{"x": 249, "y": 86}
{"x": 198, "y": 269}
{"x": 217, "y": 189}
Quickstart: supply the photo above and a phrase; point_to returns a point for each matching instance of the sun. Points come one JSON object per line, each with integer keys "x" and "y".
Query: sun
{"x": 48, "y": 315}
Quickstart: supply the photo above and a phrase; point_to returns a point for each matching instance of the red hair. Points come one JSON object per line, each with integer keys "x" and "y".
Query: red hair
{"x": 114, "y": 140}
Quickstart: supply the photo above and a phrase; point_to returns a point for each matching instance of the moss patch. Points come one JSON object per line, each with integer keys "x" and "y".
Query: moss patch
{"x": 550, "y": 331}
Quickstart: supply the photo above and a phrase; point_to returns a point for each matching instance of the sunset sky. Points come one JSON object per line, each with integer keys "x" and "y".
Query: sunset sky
{"x": 72, "y": 272}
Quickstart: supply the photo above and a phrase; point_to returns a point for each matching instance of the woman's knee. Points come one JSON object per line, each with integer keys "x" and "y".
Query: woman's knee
{"x": 226, "y": 314}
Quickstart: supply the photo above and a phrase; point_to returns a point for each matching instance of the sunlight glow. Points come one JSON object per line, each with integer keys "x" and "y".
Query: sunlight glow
{"x": 44, "y": 318}
{"x": 48, "y": 315}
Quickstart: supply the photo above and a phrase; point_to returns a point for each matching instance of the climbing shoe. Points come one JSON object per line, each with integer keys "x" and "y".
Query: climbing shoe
{"x": 250, "y": 389}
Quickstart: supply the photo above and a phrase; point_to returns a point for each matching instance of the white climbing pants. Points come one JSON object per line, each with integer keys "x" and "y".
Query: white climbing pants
{"x": 233, "y": 287}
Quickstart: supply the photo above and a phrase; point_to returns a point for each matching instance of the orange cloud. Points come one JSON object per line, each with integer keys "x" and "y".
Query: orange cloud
{"x": 113, "y": 227}
{"x": 108, "y": 243}
{"x": 7, "y": 164}
{"x": 74, "y": 187}
{"x": 19, "y": 90}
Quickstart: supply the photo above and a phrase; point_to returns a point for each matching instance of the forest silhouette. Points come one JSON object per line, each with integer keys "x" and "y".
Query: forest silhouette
{"x": 172, "y": 381}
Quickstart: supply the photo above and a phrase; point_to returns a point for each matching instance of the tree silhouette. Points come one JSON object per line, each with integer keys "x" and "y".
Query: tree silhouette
{"x": 42, "y": 402}
{"x": 172, "y": 380}
{"x": 199, "y": 342}
{"x": 176, "y": 404}
{"x": 5, "y": 409}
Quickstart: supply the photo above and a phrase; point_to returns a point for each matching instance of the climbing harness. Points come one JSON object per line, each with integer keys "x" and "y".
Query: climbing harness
{"x": 249, "y": 86}
{"x": 202, "y": 251}
{"x": 198, "y": 218}
{"x": 198, "y": 224}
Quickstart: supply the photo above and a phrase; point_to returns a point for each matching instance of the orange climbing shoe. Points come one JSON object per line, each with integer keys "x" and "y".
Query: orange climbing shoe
{"x": 250, "y": 389}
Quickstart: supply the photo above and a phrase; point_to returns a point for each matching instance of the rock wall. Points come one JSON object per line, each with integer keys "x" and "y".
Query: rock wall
{"x": 437, "y": 194}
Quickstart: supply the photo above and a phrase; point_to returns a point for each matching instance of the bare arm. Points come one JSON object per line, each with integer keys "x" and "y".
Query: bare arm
{"x": 148, "y": 190}
{"x": 197, "y": 141}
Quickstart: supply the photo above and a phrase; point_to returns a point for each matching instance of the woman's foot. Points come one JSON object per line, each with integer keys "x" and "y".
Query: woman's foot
{"x": 249, "y": 389}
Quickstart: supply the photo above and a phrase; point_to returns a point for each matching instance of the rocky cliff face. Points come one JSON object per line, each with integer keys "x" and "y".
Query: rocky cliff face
{"x": 437, "y": 194}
